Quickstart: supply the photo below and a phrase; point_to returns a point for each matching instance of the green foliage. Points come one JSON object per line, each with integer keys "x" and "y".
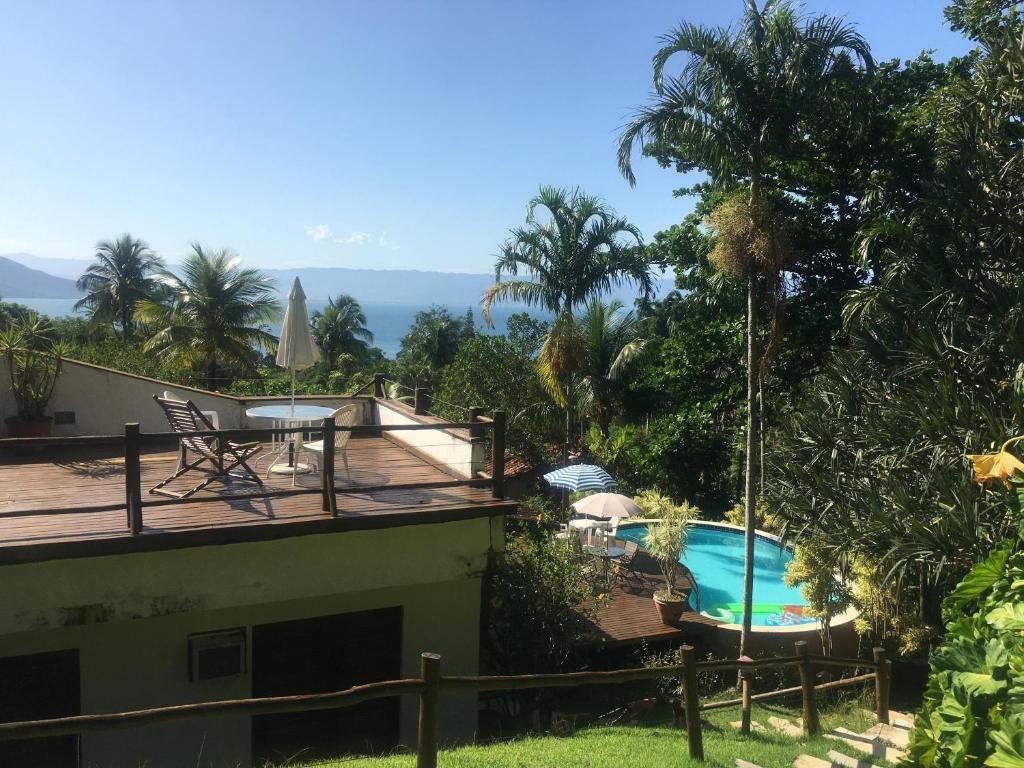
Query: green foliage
{"x": 430, "y": 345}
{"x": 534, "y": 617}
{"x": 124, "y": 273}
{"x": 34, "y": 354}
{"x": 340, "y": 329}
{"x": 973, "y": 712}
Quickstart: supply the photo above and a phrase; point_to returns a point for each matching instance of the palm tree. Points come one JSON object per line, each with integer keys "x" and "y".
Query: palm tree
{"x": 122, "y": 275}
{"x": 340, "y": 329}
{"x": 214, "y": 312}
{"x": 610, "y": 346}
{"x": 579, "y": 251}
{"x": 734, "y": 108}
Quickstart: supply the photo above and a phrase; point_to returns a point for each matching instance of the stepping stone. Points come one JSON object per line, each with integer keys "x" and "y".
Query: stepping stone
{"x": 745, "y": 764}
{"x": 839, "y": 760}
{"x": 901, "y": 719}
{"x": 808, "y": 761}
{"x": 893, "y": 735}
{"x": 786, "y": 727}
{"x": 867, "y": 745}
{"x": 754, "y": 725}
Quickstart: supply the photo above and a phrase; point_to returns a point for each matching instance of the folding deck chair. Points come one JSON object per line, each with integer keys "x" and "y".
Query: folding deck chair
{"x": 224, "y": 456}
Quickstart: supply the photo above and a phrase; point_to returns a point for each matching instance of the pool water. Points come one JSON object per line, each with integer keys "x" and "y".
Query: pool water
{"x": 715, "y": 557}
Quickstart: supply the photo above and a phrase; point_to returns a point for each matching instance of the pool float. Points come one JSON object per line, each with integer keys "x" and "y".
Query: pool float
{"x": 720, "y": 613}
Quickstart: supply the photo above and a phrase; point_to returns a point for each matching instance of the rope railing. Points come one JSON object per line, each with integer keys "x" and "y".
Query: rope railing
{"x": 431, "y": 684}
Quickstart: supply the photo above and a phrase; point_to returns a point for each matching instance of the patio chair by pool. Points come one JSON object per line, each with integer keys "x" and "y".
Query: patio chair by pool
{"x": 223, "y": 456}
{"x": 627, "y": 562}
{"x": 211, "y": 416}
{"x": 345, "y": 416}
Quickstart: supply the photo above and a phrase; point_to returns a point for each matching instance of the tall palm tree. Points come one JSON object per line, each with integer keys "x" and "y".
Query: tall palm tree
{"x": 735, "y": 107}
{"x": 340, "y": 329}
{"x": 580, "y": 250}
{"x": 122, "y": 274}
{"x": 215, "y": 312}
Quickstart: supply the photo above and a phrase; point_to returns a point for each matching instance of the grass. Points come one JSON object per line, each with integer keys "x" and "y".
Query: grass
{"x": 645, "y": 745}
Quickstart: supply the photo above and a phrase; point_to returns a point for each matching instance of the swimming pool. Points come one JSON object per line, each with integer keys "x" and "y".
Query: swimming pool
{"x": 714, "y": 555}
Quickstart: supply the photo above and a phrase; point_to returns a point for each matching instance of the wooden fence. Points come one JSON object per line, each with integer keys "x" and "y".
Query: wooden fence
{"x": 133, "y": 440}
{"x": 430, "y": 684}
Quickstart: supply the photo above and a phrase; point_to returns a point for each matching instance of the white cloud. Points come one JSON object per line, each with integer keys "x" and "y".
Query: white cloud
{"x": 319, "y": 232}
{"x": 356, "y": 238}
{"x": 383, "y": 242}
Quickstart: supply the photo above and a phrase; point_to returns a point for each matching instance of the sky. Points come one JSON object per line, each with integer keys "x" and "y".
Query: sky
{"x": 377, "y": 134}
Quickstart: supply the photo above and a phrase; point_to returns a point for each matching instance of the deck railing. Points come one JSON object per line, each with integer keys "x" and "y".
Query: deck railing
{"x": 431, "y": 684}
{"x": 134, "y": 440}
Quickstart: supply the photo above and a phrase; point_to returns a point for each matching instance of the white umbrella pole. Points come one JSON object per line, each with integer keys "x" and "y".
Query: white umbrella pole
{"x": 293, "y": 392}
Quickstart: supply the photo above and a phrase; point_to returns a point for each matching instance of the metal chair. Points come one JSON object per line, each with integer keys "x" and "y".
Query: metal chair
{"x": 224, "y": 456}
{"x": 627, "y": 562}
{"x": 346, "y": 416}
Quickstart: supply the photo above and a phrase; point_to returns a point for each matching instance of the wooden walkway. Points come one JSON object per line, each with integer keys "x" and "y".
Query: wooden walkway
{"x": 30, "y": 486}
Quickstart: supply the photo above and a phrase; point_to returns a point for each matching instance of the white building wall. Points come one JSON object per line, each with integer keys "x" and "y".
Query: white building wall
{"x": 445, "y": 446}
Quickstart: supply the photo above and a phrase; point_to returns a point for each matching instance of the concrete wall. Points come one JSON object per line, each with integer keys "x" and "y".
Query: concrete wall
{"x": 464, "y": 456}
{"x": 130, "y": 615}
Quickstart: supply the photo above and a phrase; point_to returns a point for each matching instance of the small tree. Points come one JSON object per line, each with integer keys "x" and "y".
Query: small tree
{"x": 666, "y": 541}
{"x": 33, "y": 363}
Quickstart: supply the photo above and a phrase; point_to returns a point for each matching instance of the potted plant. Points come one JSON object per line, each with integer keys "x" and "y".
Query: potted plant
{"x": 666, "y": 542}
{"x": 34, "y": 356}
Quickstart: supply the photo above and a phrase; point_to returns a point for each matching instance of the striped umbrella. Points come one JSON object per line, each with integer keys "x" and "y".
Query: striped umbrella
{"x": 581, "y": 477}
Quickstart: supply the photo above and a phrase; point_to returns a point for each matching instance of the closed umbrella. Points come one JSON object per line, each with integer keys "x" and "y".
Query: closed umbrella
{"x": 296, "y": 349}
{"x": 581, "y": 477}
{"x": 607, "y": 506}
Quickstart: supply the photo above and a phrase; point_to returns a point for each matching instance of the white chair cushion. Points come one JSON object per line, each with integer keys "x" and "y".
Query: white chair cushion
{"x": 317, "y": 446}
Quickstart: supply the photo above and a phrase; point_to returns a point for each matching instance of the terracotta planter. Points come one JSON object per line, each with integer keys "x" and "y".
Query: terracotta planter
{"x": 670, "y": 609}
{"x": 19, "y": 427}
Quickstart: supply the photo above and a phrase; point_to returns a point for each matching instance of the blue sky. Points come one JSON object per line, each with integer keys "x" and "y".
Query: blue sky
{"x": 361, "y": 134}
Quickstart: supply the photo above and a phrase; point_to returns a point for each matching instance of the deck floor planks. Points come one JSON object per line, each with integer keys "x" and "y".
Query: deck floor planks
{"x": 68, "y": 480}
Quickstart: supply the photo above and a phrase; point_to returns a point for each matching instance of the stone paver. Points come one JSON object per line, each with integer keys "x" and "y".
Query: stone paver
{"x": 867, "y": 745}
{"x": 839, "y": 760}
{"x": 786, "y": 727}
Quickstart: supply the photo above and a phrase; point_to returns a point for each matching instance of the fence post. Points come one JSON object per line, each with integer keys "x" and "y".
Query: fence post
{"x": 883, "y": 677}
{"x": 474, "y": 413}
{"x": 328, "y": 495}
{"x": 691, "y": 704}
{"x": 420, "y": 400}
{"x": 498, "y": 456}
{"x": 426, "y": 738}
{"x": 811, "y": 727}
{"x": 132, "y": 478}
{"x": 378, "y": 385}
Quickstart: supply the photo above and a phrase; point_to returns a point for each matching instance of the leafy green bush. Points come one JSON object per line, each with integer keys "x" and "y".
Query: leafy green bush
{"x": 973, "y": 711}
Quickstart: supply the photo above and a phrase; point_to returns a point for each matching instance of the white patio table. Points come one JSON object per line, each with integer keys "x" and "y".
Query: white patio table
{"x": 285, "y": 455}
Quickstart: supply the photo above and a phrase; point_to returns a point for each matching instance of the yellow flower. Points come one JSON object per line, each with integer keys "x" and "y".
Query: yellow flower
{"x": 496, "y": 603}
{"x": 997, "y": 466}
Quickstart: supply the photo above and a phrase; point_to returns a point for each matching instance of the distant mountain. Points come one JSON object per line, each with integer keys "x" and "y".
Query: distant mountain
{"x": 19, "y": 281}
{"x": 457, "y": 290}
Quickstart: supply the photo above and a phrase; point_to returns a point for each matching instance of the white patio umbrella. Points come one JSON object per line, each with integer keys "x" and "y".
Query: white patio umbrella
{"x": 607, "y": 506}
{"x": 296, "y": 349}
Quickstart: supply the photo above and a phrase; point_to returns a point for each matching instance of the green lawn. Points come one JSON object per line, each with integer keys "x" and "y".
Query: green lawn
{"x": 643, "y": 746}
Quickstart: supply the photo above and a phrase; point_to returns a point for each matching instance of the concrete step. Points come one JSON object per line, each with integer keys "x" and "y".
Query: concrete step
{"x": 901, "y": 719}
{"x": 893, "y": 735}
{"x": 786, "y": 727}
{"x": 746, "y": 764}
{"x": 809, "y": 761}
{"x": 754, "y": 725}
{"x": 839, "y": 760}
{"x": 867, "y": 745}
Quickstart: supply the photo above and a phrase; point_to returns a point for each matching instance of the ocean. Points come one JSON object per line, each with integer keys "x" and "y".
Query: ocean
{"x": 388, "y": 322}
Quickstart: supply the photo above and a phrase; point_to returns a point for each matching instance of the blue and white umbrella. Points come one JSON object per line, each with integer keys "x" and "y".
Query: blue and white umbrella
{"x": 581, "y": 477}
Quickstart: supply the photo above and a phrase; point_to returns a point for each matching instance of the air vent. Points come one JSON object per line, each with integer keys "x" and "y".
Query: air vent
{"x": 216, "y": 654}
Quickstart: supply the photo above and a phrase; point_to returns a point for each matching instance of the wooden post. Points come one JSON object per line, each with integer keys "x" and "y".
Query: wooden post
{"x": 132, "y": 478}
{"x": 474, "y": 413}
{"x": 378, "y": 385}
{"x": 745, "y": 680}
{"x": 810, "y": 709}
{"x": 883, "y": 677}
{"x": 426, "y": 738}
{"x": 498, "y": 456}
{"x": 691, "y": 704}
{"x": 328, "y": 495}
{"x": 420, "y": 400}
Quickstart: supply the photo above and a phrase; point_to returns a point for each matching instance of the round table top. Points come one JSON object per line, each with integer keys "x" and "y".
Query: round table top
{"x": 605, "y": 551}
{"x": 289, "y": 412}
{"x": 580, "y": 522}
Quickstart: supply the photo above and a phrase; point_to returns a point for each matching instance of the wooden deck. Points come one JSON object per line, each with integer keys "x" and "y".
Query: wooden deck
{"x": 630, "y": 616}
{"x": 68, "y": 479}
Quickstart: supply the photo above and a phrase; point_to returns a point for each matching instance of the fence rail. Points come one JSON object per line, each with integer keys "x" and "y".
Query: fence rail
{"x": 431, "y": 684}
{"x": 133, "y": 440}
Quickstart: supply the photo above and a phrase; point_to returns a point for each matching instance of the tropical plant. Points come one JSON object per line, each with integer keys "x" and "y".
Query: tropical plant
{"x": 34, "y": 355}
{"x": 215, "y": 312}
{"x": 579, "y": 251}
{"x": 431, "y": 344}
{"x": 666, "y": 541}
{"x": 122, "y": 275}
{"x": 733, "y": 110}
{"x": 340, "y": 329}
